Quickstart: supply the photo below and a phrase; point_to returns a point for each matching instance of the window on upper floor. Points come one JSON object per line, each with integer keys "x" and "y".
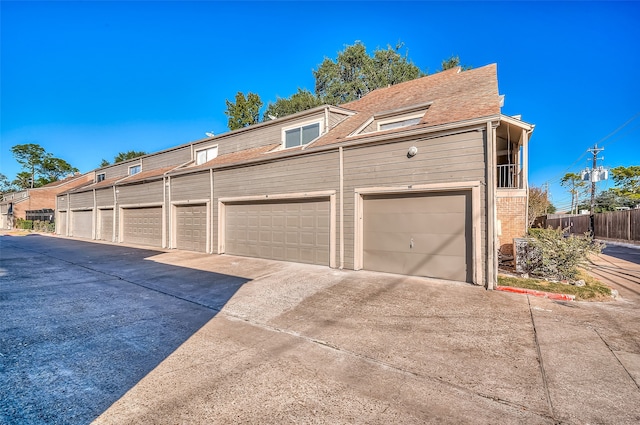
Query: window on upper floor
{"x": 135, "y": 169}
{"x": 206, "y": 154}
{"x": 100, "y": 177}
{"x": 393, "y": 119}
{"x": 301, "y": 134}
{"x": 399, "y": 122}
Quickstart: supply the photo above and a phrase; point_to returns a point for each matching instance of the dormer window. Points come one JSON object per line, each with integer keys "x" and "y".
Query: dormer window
{"x": 301, "y": 135}
{"x": 398, "y": 122}
{"x": 135, "y": 169}
{"x": 393, "y": 119}
{"x": 206, "y": 154}
{"x": 100, "y": 177}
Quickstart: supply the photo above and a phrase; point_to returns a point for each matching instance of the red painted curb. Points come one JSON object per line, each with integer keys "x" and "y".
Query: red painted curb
{"x": 550, "y": 295}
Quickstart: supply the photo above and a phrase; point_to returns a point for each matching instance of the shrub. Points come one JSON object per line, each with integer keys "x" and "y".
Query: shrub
{"x": 24, "y": 224}
{"x": 44, "y": 226}
{"x": 552, "y": 254}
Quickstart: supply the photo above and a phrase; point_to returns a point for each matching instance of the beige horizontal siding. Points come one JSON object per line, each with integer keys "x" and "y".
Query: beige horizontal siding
{"x": 139, "y": 194}
{"x": 104, "y": 197}
{"x": 116, "y": 170}
{"x": 335, "y": 119}
{"x": 190, "y": 187}
{"x": 81, "y": 200}
{"x": 166, "y": 159}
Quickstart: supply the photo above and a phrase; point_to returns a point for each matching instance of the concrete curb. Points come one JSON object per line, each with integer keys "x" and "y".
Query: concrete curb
{"x": 550, "y": 295}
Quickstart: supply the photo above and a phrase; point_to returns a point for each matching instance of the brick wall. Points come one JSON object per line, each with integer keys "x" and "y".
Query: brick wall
{"x": 512, "y": 213}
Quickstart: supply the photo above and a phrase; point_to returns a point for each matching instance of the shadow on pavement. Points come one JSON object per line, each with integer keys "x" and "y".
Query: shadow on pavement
{"x": 81, "y": 323}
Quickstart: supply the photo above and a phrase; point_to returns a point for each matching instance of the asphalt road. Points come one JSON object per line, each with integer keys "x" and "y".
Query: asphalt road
{"x": 81, "y": 323}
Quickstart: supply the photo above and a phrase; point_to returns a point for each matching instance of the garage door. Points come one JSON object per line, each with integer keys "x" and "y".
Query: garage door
{"x": 81, "y": 224}
{"x": 106, "y": 225}
{"x": 420, "y": 235}
{"x": 61, "y": 223}
{"x": 290, "y": 231}
{"x": 143, "y": 226}
{"x": 191, "y": 227}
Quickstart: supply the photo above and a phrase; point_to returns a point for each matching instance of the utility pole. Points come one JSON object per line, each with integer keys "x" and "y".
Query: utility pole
{"x": 595, "y": 150}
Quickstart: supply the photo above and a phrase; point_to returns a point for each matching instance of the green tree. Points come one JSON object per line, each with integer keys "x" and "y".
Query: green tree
{"x": 574, "y": 183}
{"x": 5, "y": 185}
{"x": 52, "y": 169}
{"x": 104, "y": 163}
{"x": 30, "y": 156}
{"x": 538, "y": 204}
{"x": 39, "y": 166}
{"x": 302, "y": 100}
{"x": 244, "y": 112}
{"x": 124, "y": 156}
{"x": 453, "y": 62}
{"x": 355, "y": 73}
{"x": 23, "y": 180}
{"x": 627, "y": 180}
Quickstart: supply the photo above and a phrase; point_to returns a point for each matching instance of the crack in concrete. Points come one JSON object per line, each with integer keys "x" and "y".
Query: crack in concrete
{"x": 616, "y": 357}
{"x": 388, "y": 366}
{"x": 540, "y": 362}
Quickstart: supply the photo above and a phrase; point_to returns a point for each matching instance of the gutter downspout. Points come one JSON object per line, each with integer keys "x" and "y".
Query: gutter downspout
{"x": 210, "y": 212}
{"x": 492, "y": 265}
{"x": 341, "y": 208}
{"x": 94, "y": 223}
{"x": 116, "y": 216}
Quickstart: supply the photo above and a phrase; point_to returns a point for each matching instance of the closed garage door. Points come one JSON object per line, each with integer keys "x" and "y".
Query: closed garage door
{"x": 191, "y": 228}
{"x": 143, "y": 226}
{"x": 61, "y": 223}
{"x": 291, "y": 231}
{"x": 81, "y": 224}
{"x": 106, "y": 225}
{"x": 420, "y": 235}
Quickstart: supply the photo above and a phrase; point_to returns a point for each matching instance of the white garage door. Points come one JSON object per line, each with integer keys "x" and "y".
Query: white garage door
{"x": 291, "y": 231}
{"x": 191, "y": 227}
{"x": 106, "y": 224}
{"x": 143, "y": 226}
{"x": 81, "y": 224}
{"x": 61, "y": 223}
{"x": 420, "y": 235}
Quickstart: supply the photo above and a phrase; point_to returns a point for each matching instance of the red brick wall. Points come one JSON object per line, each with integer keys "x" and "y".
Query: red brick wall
{"x": 45, "y": 197}
{"x": 512, "y": 213}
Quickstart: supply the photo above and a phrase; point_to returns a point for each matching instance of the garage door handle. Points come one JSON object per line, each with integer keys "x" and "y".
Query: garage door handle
{"x": 411, "y": 243}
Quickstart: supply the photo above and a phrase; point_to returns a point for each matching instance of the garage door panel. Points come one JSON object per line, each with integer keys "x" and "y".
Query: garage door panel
{"x": 419, "y": 234}
{"x": 143, "y": 226}
{"x": 191, "y": 227}
{"x": 81, "y": 224}
{"x": 287, "y": 230}
{"x": 106, "y": 225}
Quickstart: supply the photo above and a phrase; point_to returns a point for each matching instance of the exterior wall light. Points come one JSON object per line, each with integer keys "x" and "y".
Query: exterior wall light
{"x": 413, "y": 151}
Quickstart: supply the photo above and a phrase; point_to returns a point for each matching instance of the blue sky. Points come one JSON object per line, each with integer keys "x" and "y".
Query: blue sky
{"x": 87, "y": 80}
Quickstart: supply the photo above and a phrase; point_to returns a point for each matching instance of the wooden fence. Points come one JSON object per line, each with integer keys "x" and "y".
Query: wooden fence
{"x": 615, "y": 225}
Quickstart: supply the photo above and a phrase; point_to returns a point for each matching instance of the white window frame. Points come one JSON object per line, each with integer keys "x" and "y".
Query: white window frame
{"x": 134, "y": 166}
{"x": 399, "y": 118}
{"x": 98, "y": 179}
{"x": 300, "y": 125}
{"x": 204, "y": 149}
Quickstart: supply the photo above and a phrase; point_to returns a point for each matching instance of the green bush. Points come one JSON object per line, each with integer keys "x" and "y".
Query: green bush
{"x": 44, "y": 226}
{"x": 553, "y": 254}
{"x": 24, "y": 224}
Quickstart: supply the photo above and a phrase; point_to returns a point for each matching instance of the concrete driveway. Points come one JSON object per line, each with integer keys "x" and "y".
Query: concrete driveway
{"x": 122, "y": 335}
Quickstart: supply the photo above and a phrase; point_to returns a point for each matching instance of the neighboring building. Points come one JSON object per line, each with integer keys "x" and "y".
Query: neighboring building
{"x": 15, "y": 205}
{"x": 425, "y": 177}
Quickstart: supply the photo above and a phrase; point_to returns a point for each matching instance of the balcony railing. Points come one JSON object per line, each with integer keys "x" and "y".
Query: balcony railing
{"x": 509, "y": 177}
